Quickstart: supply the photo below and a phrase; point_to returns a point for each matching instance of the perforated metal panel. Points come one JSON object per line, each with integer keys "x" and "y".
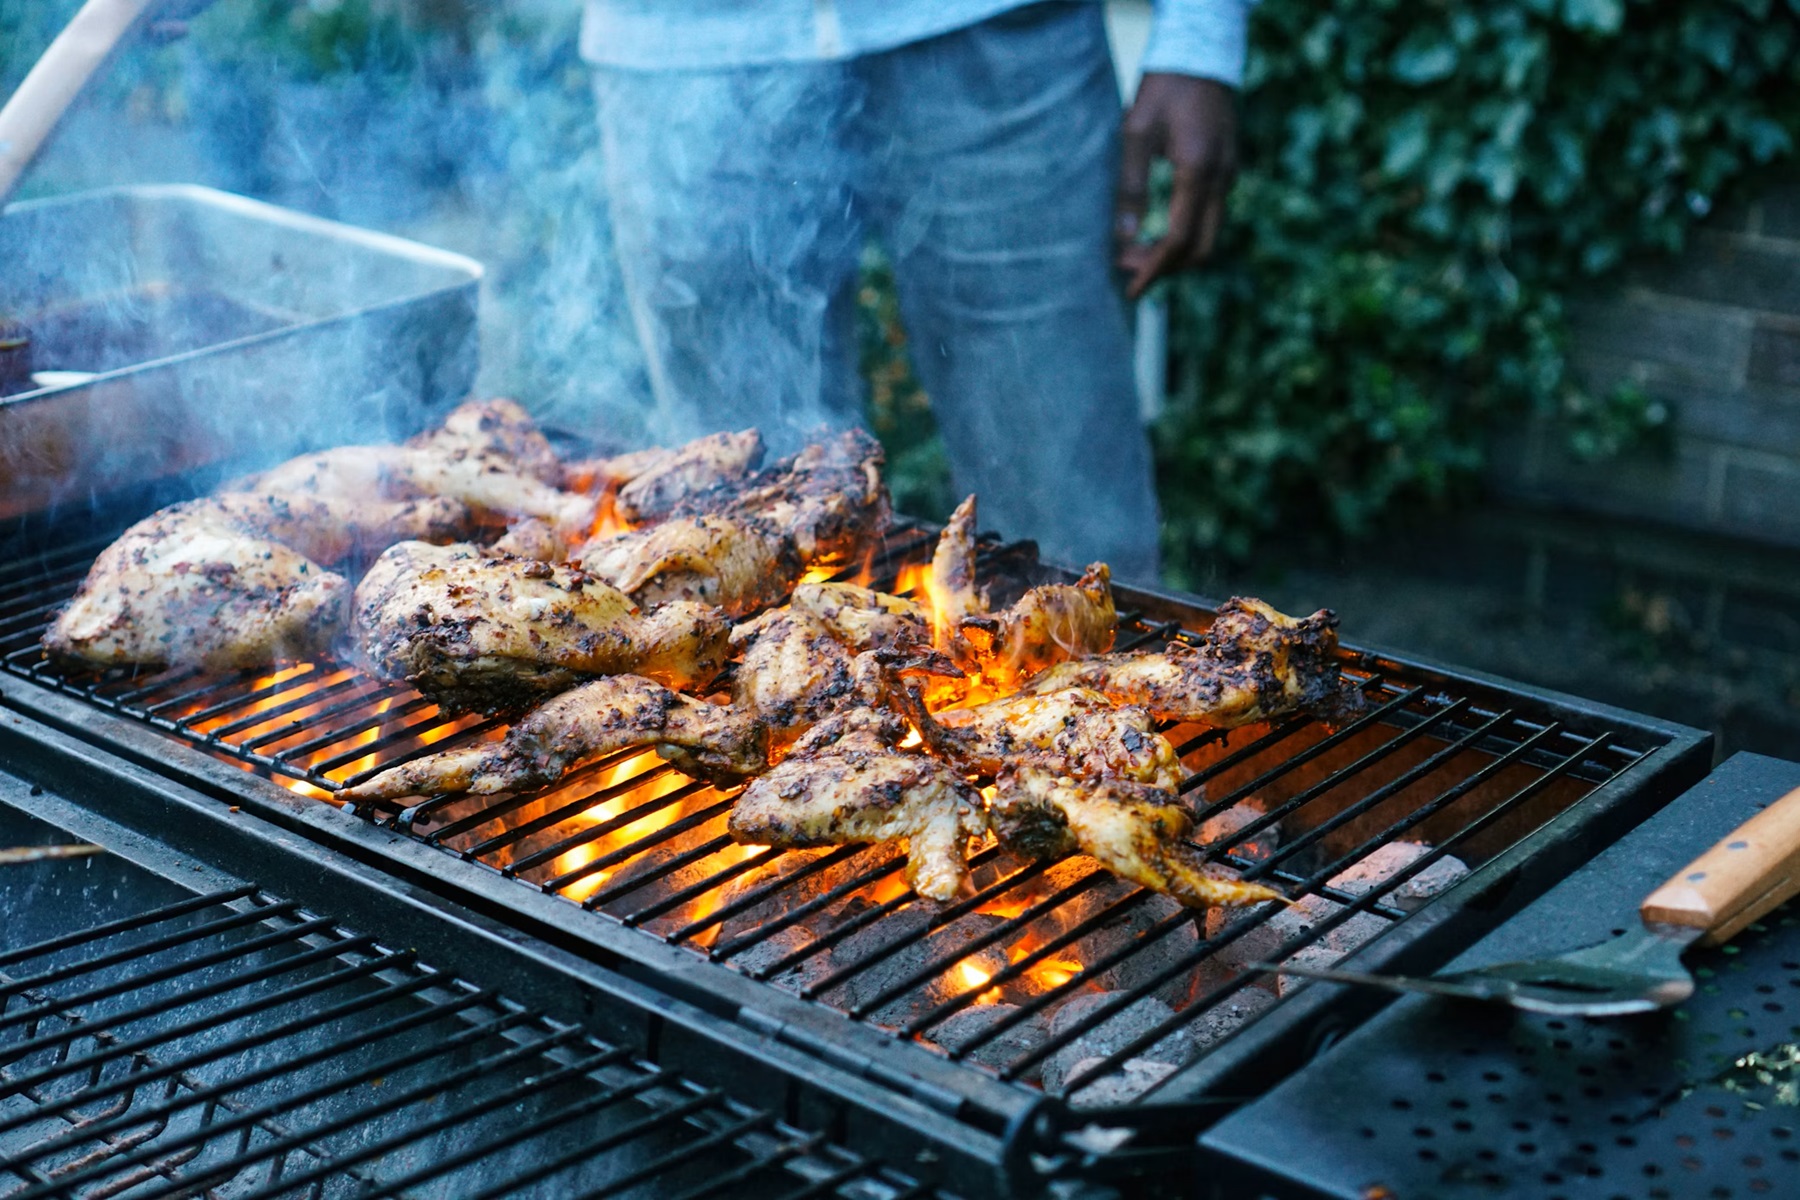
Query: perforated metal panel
{"x": 1445, "y": 1099}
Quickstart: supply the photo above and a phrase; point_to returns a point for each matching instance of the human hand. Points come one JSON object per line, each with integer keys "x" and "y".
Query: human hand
{"x": 1192, "y": 122}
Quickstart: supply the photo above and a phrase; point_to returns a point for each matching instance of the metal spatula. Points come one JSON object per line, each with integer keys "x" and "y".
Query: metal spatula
{"x": 1752, "y": 870}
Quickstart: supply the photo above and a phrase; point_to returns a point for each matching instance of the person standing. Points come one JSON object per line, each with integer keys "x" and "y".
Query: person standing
{"x": 751, "y": 148}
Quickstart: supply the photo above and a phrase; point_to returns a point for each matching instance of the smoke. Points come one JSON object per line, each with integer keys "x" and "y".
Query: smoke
{"x": 466, "y": 127}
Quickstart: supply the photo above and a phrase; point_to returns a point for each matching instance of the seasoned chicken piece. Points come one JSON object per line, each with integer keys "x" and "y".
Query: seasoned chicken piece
{"x": 330, "y": 529}
{"x": 489, "y": 487}
{"x": 951, "y": 583}
{"x": 1073, "y": 732}
{"x": 583, "y": 724}
{"x": 1132, "y": 829}
{"x": 825, "y": 652}
{"x": 497, "y": 428}
{"x": 848, "y": 782}
{"x": 530, "y": 538}
{"x": 592, "y": 476}
{"x": 195, "y": 585}
{"x": 1049, "y": 624}
{"x": 829, "y": 498}
{"x": 707, "y": 462}
{"x": 488, "y": 632}
{"x": 739, "y": 564}
{"x": 1253, "y": 664}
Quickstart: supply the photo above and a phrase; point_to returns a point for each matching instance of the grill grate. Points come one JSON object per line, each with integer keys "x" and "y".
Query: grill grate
{"x": 235, "y": 1044}
{"x": 1468, "y": 772}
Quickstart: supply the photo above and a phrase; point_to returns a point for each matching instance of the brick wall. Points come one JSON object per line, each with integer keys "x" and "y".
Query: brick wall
{"x": 1716, "y": 332}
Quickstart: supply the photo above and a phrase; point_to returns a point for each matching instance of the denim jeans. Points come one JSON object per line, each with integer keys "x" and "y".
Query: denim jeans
{"x": 984, "y": 162}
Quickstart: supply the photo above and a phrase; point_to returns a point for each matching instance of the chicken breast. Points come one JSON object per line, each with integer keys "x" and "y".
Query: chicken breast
{"x": 193, "y": 585}
{"x": 493, "y": 633}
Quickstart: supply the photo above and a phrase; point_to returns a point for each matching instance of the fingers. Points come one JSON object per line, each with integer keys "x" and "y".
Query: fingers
{"x": 1137, "y": 150}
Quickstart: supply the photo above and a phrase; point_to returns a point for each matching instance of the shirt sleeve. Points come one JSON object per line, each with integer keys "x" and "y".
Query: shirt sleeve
{"x": 1205, "y": 38}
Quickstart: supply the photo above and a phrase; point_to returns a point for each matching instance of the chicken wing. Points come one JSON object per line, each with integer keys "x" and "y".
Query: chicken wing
{"x": 197, "y": 585}
{"x": 488, "y": 632}
{"x": 740, "y": 564}
{"x": 1253, "y": 664}
{"x": 1049, "y": 624}
{"x": 1132, "y": 829}
{"x": 586, "y": 723}
{"x": 1072, "y": 732}
{"x": 848, "y": 782}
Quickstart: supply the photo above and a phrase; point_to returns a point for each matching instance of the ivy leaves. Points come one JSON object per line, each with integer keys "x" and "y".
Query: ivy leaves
{"x": 1423, "y": 186}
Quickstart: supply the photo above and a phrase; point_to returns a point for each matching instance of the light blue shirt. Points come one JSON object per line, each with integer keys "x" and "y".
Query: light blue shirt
{"x": 1204, "y": 38}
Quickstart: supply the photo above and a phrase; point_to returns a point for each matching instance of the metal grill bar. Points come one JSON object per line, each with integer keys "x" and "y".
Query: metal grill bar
{"x": 663, "y": 863}
{"x": 328, "y": 1058}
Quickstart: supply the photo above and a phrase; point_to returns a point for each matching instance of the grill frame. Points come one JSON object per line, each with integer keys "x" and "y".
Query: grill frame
{"x": 1003, "y": 1117}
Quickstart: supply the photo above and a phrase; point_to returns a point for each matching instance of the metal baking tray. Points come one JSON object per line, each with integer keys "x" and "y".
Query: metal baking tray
{"x": 200, "y": 330}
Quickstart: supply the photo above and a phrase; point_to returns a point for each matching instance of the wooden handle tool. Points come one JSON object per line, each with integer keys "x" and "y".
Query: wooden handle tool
{"x": 1752, "y": 870}
{"x": 80, "y": 50}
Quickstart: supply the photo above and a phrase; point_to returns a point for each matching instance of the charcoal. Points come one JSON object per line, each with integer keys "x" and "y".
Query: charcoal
{"x": 908, "y": 926}
{"x": 778, "y": 946}
{"x": 1386, "y": 861}
{"x": 1119, "y": 933}
{"x": 1264, "y": 942}
{"x": 962, "y": 1028}
{"x": 780, "y": 900}
{"x": 1122, "y": 1086}
{"x": 1123, "y": 1027}
{"x": 1224, "y": 1018}
{"x": 1220, "y": 826}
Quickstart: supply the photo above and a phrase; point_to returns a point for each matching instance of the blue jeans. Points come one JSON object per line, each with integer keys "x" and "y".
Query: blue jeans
{"x": 984, "y": 161}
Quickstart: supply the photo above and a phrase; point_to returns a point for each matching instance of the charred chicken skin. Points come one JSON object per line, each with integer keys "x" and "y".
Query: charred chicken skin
{"x": 584, "y": 724}
{"x": 722, "y": 458}
{"x": 492, "y": 633}
{"x": 849, "y": 782}
{"x": 739, "y": 564}
{"x": 1134, "y": 830}
{"x": 1253, "y": 664}
{"x": 1072, "y": 732}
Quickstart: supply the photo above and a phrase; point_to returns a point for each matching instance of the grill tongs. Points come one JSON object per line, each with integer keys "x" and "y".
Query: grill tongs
{"x": 1755, "y": 868}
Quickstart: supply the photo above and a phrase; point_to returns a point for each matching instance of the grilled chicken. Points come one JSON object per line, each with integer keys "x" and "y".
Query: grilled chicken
{"x": 483, "y": 631}
{"x": 1253, "y": 664}
{"x": 707, "y": 462}
{"x": 740, "y": 564}
{"x": 199, "y": 584}
{"x": 1134, "y": 830}
{"x": 829, "y": 498}
{"x": 849, "y": 782}
{"x": 1049, "y": 624}
{"x": 1072, "y": 732}
{"x": 823, "y": 653}
{"x": 467, "y": 461}
{"x": 589, "y": 722}
{"x": 951, "y": 585}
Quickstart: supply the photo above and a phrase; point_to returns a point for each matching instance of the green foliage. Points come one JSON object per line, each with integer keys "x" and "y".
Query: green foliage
{"x": 1424, "y": 186}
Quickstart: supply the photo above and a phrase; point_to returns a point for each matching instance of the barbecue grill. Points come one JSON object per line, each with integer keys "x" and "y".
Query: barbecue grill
{"x": 924, "y": 1033}
{"x": 167, "y": 1028}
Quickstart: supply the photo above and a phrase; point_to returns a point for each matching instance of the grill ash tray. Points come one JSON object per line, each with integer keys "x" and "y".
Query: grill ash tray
{"x": 1442, "y": 1099}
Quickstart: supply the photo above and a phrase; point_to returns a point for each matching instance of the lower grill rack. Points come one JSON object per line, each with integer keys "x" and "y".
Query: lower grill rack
{"x": 1398, "y": 833}
{"x": 236, "y": 1044}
